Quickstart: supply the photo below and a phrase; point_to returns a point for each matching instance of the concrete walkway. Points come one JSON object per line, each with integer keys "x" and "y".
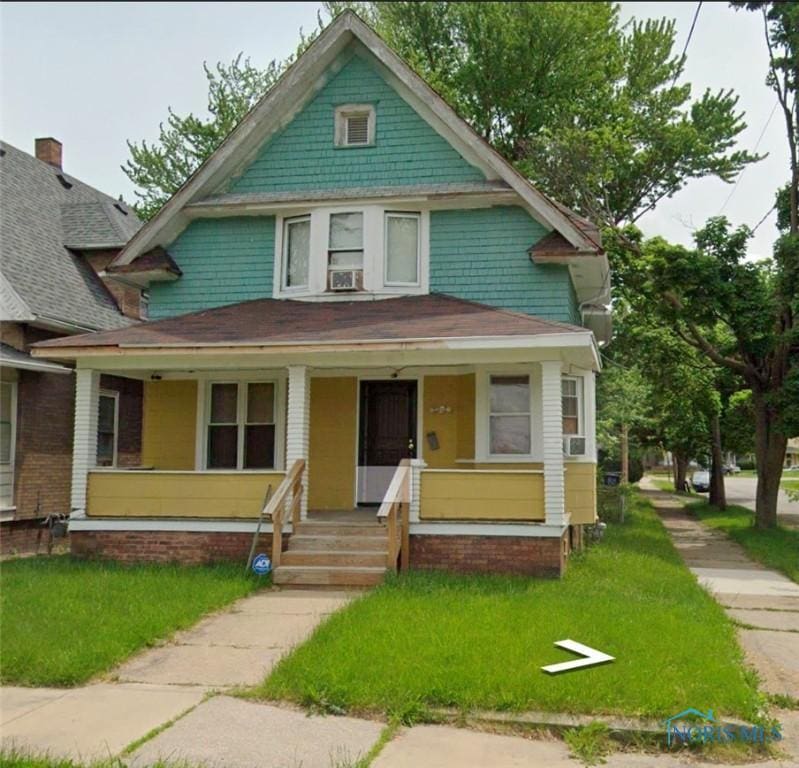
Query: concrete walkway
{"x": 237, "y": 646}
{"x": 763, "y": 602}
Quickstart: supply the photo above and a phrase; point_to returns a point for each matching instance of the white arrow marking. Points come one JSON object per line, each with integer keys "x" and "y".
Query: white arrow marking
{"x": 592, "y": 656}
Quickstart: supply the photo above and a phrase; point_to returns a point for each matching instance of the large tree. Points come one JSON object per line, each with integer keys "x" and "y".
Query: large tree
{"x": 593, "y": 111}
{"x": 740, "y": 315}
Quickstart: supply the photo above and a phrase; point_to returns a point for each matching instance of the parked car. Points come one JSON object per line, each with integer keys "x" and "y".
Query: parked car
{"x": 700, "y": 481}
{"x": 730, "y": 469}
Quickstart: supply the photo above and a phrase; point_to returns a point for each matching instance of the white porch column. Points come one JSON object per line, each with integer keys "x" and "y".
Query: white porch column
{"x": 298, "y": 422}
{"x": 417, "y": 465}
{"x": 84, "y": 449}
{"x": 552, "y": 407}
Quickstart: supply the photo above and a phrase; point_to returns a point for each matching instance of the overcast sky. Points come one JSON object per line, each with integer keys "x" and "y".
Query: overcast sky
{"x": 94, "y": 75}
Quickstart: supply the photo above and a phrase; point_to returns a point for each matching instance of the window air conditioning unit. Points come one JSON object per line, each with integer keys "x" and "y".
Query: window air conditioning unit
{"x": 573, "y": 445}
{"x": 345, "y": 279}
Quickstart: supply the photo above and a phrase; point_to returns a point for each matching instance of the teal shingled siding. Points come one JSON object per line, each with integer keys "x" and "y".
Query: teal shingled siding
{"x": 481, "y": 255}
{"x": 407, "y": 150}
{"x": 224, "y": 261}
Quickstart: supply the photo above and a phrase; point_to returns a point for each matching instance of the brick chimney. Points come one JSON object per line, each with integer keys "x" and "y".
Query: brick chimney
{"x": 48, "y": 150}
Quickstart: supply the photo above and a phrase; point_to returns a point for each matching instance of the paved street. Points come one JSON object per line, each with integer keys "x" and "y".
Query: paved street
{"x": 741, "y": 491}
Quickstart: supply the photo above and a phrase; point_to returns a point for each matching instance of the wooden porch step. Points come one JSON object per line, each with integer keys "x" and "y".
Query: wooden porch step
{"x": 306, "y": 575}
{"x": 362, "y": 558}
{"x": 337, "y": 543}
{"x": 332, "y": 528}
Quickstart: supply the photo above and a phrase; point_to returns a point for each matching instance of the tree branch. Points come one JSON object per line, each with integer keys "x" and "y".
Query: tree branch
{"x": 697, "y": 340}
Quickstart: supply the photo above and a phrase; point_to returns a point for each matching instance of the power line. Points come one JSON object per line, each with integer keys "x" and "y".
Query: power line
{"x": 688, "y": 39}
{"x": 757, "y": 144}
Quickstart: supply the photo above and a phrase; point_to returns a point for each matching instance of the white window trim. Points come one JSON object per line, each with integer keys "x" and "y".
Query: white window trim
{"x": 580, "y": 381}
{"x": 402, "y": 215}
{"x": 374, "y": 253}
{"x": 13, "y": 443}
{"x": 348, "y": 110}
{"x": 115, "y": 395}
{"x": 483, "y": 417}
{"x": 204, "y": 414}
{"x": 284, "y": 260}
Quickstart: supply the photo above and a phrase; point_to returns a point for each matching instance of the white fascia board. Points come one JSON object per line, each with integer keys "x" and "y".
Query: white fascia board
{"x": 528, "y": 530}
{"x": 190, "y": 525}
{"x": 292, "y": 92}
{"x": 33, "y": 365}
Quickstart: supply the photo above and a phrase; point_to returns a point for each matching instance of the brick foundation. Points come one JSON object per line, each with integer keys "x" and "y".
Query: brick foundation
{"x": 187, "y": 547}
{"x": 18, "y": 537}
{"x": 523, "y": 555}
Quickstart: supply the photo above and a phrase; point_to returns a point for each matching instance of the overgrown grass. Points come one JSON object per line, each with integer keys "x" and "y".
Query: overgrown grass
{"x": 668, "y": 486}
{"x": 478, "y": 642}
{"x": 776, "y": 548}
{"x": 24, "y": 759}
{"x": 65, "y": 620}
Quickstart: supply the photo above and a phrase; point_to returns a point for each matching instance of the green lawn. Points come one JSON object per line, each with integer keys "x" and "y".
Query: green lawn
{"x": 426, "y": 640}
{"x": 777, "y": 548}
{"x": 64, "y": 620}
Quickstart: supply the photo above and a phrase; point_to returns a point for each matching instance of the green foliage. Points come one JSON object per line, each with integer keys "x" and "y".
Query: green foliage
{"x": 66, "y": 620}
{"x": 160, "y": 168}
{"x": 478, "y": 642}
{"x": 623, "y": 397}
{"x": 590, "y": 109}
{"x": 738, "y": 423}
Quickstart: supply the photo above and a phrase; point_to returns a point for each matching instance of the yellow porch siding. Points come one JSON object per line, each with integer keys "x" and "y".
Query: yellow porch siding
{"x": 454, "y": 430}
{"x": 493, "y": 496}
{"x": 178, "y": 494}
{"x": 169, "y": 424}
{"x": 331, "y": 454}
{"x": 581, "y": 492}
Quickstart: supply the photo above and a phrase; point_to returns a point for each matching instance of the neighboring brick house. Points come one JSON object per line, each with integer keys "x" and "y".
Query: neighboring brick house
{"x": 57, "y": 235}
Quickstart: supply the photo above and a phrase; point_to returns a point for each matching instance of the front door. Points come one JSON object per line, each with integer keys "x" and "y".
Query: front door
{"x": 387, "y": 435}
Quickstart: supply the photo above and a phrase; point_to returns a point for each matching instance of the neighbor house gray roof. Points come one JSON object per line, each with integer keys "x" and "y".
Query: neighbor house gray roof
{"x": 43, "y": 213}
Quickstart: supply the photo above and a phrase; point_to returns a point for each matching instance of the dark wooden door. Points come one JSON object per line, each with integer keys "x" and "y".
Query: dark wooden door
{"x": 388, "y": 423}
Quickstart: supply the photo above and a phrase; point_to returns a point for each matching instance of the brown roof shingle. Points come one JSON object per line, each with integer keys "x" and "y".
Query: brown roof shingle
{"x": 274, "y": 321}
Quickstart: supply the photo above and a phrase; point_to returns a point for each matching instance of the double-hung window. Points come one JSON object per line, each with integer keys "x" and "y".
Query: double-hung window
{"x": 345, "y": 249}
{"x": 8, "y": 422}
{"x": 510, "y": 418}
{"x": 241, "y": 425}
{"x": 402, "y": 249}
{"x": 107, "y": 428}
{"x": 571, "y": 392}
{"x": 296, "y": 252}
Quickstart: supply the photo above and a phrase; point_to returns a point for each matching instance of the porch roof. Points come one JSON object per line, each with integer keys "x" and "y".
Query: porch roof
{"x": 269, "y": 322}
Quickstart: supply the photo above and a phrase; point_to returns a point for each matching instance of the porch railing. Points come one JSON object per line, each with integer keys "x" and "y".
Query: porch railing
{"x": 394, "y": 511}
{"x": 290, "y": 490}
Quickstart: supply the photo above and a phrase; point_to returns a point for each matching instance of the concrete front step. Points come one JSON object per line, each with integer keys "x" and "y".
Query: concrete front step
{"x": 376, "y": 558}
{"x": 341, "y": 529}
{"x": 306, "y": 575}
{"x": 299, "y": 541}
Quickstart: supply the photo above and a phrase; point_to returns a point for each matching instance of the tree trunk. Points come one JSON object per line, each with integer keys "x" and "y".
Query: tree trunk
{"x": 680, "y": 470}
{"x": 770, "y": 445}
{"x": 625, "y": 453}
{"x": 717, "y": 496}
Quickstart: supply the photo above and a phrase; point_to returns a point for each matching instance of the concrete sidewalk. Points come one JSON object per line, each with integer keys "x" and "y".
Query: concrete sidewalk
{"x": 765, "y": 603}
{"x": 237, "y": 646}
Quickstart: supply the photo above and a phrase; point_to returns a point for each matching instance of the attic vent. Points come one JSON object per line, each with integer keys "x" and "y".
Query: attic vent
{"x": 120, "y": 209}
{"x": 355, "y": 126}
{"x": 63, "y": 180}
